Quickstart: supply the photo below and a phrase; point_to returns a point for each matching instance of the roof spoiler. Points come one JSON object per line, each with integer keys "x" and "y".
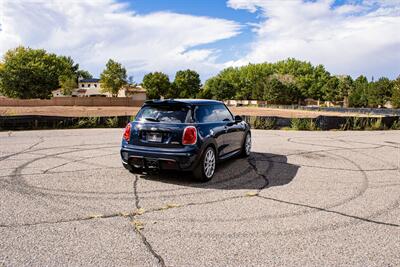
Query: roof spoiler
{"x": 166, "y": 102}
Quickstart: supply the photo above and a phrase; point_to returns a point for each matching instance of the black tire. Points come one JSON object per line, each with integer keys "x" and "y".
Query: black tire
{"x": 244, "y": 152}
{"x": 200, "y": 172}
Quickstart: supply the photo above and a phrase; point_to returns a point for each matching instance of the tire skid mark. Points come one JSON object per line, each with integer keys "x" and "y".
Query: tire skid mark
{"x": 329, "y": 211}
{"x": 111, "y": 195}
{"x": 60, "y": 221}
{"x": 217, "y": 200}
{"x": 210, "y": 191}
{"x": 367, "y": 143}
{"x": 209, "y": 184}
{"x": 41, "y": 140}
{"x": 80, "y": 160}
{"x": 19, "y": 185}
{"x": 32, "y": 151}
{"x": 56, "y": 172}
{"x": 331, "y": 227}
{"x": 332, "y": 168}
{"x": 364, "y": 187}
{"x": 265, "y": 177}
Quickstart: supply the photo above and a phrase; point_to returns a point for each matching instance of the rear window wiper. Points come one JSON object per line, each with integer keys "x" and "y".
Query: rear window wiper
{"x": 151, "y": 119}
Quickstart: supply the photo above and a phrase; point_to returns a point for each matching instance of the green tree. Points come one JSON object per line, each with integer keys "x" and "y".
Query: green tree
{"x": 187, "y": 84}
{"x": 304, "y": 77}
{"x": 83, "y": 74}
{"x": 319, "y": 78}
{"x": 330, "y": 89}
{"x": 379, "y": 92}
{"x": 291, "y": 81}
{"x": 233, "y": 84}
{"x": 395, "y": 100}
{"x": 358, "y": 95}
{"x": 220, "y": 89}
{"x": 113, "y": 77}
{"x": 33, "y": 73}
{"x": 346, "y": 85}
{"x": 157, "y": 84}
{"x": 68, "y": 84}
{"x": 205, "y": 93}
{"x": 276, "y": 92}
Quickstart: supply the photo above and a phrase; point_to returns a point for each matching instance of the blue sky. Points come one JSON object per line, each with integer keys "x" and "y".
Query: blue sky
{"x": 232, "y": 48}
{"x": 347, "y": 36}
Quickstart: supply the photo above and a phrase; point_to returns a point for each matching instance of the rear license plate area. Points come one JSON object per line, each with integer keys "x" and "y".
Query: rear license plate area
{"x": 154, "y": 137}
{"x": 152, "y": 163}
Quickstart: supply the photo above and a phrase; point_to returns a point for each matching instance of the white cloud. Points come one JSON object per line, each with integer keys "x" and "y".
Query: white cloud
{"x": 358, "y": 38}
{"x": 94, "y": 31}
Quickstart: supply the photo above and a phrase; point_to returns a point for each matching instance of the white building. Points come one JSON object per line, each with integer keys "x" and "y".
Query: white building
{"x": 89, "y": 87}
{"x": 92, "y": 87}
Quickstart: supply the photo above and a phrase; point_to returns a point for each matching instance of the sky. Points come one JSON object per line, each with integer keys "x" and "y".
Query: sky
{"x": 347, "y": 36}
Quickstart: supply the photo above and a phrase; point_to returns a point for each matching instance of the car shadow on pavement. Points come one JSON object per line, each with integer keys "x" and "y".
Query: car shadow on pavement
{"x": 258, "y": 171}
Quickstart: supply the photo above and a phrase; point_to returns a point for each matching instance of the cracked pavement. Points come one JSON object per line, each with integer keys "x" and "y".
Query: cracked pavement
{"x": 301, "y": 198}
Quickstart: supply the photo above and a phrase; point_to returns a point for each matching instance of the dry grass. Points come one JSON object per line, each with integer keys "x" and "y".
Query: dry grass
{"x": 286, "y": 113}
{"x": 80, "y": 111}
{"x": 70, "y": 111}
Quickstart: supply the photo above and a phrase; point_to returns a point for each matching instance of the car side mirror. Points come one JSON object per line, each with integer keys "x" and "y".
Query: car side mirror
{"x": 238, "y": 119}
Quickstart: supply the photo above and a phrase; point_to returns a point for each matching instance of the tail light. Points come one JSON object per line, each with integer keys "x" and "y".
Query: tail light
{"x": 127, "y": 133}
{"x": 189, "y": 136}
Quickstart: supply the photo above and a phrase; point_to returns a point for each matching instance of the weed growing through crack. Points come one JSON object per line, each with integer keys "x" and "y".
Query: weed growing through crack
{"x": 138, "y": 225}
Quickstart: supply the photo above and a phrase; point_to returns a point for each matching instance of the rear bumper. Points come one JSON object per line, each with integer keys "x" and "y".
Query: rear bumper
{"x": 184, "y": 159}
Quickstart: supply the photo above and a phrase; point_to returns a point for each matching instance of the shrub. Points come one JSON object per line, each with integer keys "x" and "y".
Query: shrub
{"x": 376, "y": 124}
{"x": 360, "y": 123}
{"x": 303, "y": 124}
{"x": 396, "y": 125}
{"x": 112, "y": 122}
{"x": 91, "y": 122}
{"x": 264, "y": 123}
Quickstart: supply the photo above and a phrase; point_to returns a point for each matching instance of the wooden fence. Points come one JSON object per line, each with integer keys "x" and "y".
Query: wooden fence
{"x": 72, "y": 101}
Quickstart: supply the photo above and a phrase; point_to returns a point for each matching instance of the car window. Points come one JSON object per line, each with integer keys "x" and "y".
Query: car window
{"x": 212, "y": 113}
{"x": 223, "y": 113}
{"x": 172, "y": 114}
{"x": 205, "y": 113}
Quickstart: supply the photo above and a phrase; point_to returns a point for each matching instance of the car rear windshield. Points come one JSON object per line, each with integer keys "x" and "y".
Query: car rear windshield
{"x": 166, "y": 114}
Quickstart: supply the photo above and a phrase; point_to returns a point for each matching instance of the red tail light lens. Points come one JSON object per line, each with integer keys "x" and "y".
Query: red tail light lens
{"x": 127, "y": 133}
{"x": 189, "y": 136}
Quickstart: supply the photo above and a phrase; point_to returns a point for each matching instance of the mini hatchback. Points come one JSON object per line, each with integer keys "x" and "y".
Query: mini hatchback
{"x": 184, "y": 135}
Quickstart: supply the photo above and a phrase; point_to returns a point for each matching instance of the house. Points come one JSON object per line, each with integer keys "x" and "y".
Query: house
{"x": 92, "y": 87}
{"x": 57, "y": 93}
{"x": 89, "y": 87}
{"x": 136, "y": 92}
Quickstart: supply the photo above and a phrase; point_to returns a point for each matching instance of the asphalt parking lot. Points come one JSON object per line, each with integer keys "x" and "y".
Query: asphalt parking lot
{"x": 302, "y": 198}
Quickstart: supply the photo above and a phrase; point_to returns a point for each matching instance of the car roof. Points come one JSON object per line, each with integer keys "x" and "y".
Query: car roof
{"x": 183, "y": 101}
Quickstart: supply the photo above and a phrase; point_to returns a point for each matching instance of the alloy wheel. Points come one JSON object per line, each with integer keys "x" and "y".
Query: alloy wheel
{"x": 209, "y": 163}
{"x": 248, "y": 144}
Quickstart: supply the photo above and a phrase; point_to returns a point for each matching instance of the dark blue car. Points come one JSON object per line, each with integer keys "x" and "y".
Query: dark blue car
{"x": 185, "y": 135}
